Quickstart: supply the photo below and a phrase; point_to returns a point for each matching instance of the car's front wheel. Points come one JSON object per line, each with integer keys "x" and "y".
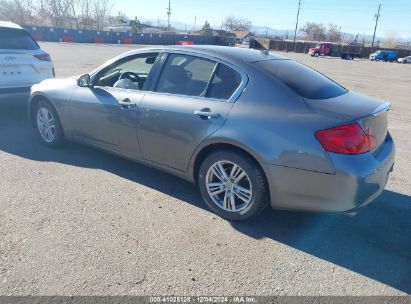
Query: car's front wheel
{"x": 48, "y": 125}
{"x": 233, "y": 185}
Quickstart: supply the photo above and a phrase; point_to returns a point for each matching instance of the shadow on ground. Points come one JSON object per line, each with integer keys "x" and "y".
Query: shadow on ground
{"x": 376, "y": 243}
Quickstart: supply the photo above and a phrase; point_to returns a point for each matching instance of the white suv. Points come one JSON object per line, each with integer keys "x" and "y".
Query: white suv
{"x": 22, "y": 63}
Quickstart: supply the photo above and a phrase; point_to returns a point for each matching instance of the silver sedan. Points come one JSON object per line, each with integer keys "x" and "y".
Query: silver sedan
{"x": 250, "y": 128}
{"x": 404, "y": 60}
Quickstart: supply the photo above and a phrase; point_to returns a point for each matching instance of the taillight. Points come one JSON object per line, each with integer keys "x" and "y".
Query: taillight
{"x": 347, "y": 139}
{"x": 43, "y": 57}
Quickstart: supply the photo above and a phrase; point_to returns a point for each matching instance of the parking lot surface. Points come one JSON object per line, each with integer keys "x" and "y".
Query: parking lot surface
{"x": 77, "y": 221}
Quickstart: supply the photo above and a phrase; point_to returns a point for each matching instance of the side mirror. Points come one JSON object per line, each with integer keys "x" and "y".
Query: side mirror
{"x": 84, "y": 81}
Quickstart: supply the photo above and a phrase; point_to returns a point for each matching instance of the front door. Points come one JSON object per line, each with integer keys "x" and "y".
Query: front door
{"x": 106, "y": 115}
{"x": 190, "y": 102}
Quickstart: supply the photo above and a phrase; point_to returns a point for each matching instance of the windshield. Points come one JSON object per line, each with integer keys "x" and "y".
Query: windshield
{"x": 303, "y": 80}
{"x": 16, "y": 39}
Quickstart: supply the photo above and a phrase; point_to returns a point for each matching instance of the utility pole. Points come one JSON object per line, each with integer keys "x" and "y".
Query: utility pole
{"x": 169, "y": 13}
{"x": 195, "y": 23}
{"x": 377, "y": 17}
{"x": 296, "y": 23}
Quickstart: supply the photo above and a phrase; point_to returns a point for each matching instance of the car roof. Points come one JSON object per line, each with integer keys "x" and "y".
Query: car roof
{"x": 8, "y": 24}
{"x": 223, "y": 52}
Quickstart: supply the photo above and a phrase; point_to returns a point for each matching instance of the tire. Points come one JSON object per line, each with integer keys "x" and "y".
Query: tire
{"x": 48, "y": 125}
{"x": 405, "y": 62}
{"x": 253, "y": 179}
{"x": 316, "y": 54}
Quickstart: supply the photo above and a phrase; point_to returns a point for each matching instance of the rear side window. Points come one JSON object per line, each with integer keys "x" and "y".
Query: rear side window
{"x": 303, "y": 80}
{"x": 16, "y": 39}
{"x": 185, "y": 75}
{"x": 225, "y": 82}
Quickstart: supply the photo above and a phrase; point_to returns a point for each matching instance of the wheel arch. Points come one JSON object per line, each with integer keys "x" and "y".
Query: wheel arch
{"x": 34, "y": 100}
{"x": 209, "y": 148}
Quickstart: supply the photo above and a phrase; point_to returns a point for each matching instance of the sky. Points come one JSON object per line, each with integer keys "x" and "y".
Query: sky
{"x": 354, "y": 16}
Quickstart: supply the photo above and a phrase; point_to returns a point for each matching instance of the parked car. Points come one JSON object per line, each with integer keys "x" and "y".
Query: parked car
{"x": 22, "y": 63}
{"x": 405, "y": 60}
{"x": 329, "y": 49}
{"x": 237, "y": 122}
{"x": 384, "y": 56}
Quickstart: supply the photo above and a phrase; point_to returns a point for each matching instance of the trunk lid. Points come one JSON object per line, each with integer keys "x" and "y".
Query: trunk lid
{"x": 370, "y": 114}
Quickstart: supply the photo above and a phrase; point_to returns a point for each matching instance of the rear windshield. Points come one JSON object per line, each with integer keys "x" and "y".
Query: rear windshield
{"x": 303, "y": 80}
{"x": 16, "y": 39}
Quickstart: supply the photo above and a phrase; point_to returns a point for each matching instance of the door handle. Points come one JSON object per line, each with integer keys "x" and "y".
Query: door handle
{"x": 127, "y": 104}
{"x": 207, "y": 113}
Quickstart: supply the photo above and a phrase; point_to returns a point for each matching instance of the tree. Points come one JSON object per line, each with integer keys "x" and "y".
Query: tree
{"x": 85, "y": 14}
{"x": 391, "y": 41}
{"x": 333, "y": 33}
{"x": 206, "y": 29}
{"x": 59, "y": 11}
{"x": 18, "y": 11}
{"x": 237, "y": 24}
{"x": 314, "y": 31}
{"x": 136, "y": 25}
{"x": 102, "y": 9}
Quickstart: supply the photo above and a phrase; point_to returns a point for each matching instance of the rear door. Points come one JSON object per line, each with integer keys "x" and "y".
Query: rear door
{"x": 18, "y": 65}
{"x": 191, "y": 100}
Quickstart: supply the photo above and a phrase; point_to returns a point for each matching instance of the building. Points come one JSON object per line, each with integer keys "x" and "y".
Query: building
{"x": 243, "y": 36}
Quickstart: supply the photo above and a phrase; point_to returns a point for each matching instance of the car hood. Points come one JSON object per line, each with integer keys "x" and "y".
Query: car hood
{"x": 55, "y": 88}
{"x": 53, "y": 83}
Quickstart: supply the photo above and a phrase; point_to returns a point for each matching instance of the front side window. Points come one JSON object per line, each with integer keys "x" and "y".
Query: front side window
{"x": 131, "y": 73}
{"x": 16, "y": 39}
{"x": 186, "y": 75}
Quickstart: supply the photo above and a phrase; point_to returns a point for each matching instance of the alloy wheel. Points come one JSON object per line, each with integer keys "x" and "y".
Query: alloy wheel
{"x": 46, "y": 124}
{"x": 229, "y": 186}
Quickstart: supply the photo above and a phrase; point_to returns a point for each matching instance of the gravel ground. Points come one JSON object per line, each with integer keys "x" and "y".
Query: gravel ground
{"x": 77, "y": 221}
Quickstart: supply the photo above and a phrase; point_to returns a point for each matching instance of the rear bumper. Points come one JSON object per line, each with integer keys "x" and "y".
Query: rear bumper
{"x": 14, "y": 94}
{"x": 359, "y": 179}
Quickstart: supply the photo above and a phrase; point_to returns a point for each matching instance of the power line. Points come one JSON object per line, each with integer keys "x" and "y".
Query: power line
{"x": 377, "y": 17}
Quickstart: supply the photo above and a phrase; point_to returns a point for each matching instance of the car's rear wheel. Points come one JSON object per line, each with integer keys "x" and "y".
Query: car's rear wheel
{"x": 48, "y": 125}
{"x": 233, "y": 185}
